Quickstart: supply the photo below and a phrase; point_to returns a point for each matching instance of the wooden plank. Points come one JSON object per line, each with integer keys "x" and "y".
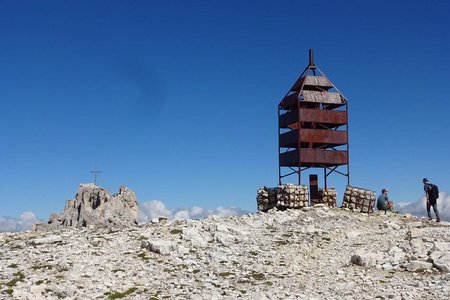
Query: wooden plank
{"x": 338, "y": 117}
{"x": 289, "y": 159}
{"x": 323, "y": 136}
{"x": 318, "y": 81}
{"x": 313, "y": 158}
{"x": 286, "y": 119}
{"x": 333, "y": 117}
{"x": 289, "y": 101}
{"x": 325, "y": 157}
{"x": 289, "y": 139}
{"x": 322, "y": 97}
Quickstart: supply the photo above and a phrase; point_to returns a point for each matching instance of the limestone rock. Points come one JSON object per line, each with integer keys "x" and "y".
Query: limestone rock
{"x": 366, "y": 258}
{"x": 160, "y": 246}
{"x": 195, "y": 236}
{"x": 93, "y": 207}
{"x": 441, "y": 260}
{"x": 48, "y": 240}
{"x": 281, "y": 254}
{"x": 122, "y": 209}
{"x": 418, "y": 266}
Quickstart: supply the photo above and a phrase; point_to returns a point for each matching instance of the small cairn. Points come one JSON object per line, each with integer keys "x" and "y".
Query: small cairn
{"x": 282, "y": 197}
{"x": 328, "y": 196}
{"x": 358, "y": 199}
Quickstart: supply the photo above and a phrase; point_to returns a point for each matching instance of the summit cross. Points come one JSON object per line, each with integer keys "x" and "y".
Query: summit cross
{"x": 95, "y": 172}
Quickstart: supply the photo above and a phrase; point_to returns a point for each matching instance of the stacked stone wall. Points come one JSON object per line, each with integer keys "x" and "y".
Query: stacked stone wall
{"x": 266, "y": 198}
{"x": 328, "y": 196}
{"x": 282, "y": 197}
{"x": 359, "y": 199}
{"x": 292, "y": 196}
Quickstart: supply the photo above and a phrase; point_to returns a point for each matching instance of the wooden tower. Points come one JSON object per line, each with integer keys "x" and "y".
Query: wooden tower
{"x": 313, "y": 127}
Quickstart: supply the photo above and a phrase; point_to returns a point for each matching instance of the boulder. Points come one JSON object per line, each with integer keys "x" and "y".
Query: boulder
{"x": 417, "y": 265}
{"x": 197, "y": 237}
{"x": 160, "y": 246}
{"x": 48, "y": 240}
{"x": 441, "y": 260}
{"x": 366, "y": 258}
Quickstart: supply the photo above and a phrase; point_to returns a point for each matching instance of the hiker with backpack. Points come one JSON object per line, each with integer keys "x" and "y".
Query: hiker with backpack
{"x": 432, "y": 194}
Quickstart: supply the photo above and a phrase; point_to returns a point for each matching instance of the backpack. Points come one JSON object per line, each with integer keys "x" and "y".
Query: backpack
{"x": 433, "y": 191}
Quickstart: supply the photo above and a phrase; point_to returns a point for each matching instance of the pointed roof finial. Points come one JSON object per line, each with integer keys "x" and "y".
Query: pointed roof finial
{"x": 311, "y": 59}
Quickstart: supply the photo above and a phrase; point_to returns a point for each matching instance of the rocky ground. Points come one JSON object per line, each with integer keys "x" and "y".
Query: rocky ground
{"x": 313, "y": 253}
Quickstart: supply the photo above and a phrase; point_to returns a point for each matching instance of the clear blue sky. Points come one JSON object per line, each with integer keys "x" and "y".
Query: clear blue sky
{"x": 178, "y": 99}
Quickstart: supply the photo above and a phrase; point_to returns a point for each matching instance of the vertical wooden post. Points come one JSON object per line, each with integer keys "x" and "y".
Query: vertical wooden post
{"x": 313, "y": 189}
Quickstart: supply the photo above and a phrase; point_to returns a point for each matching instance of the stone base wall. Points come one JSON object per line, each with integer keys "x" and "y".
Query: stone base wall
{"x": 283, "y": 196}
{"x": 292, "y": 196}
{"x": 266, "y": 198}
{"x": 328, "y": 196}
{"x": 358, "y": 199}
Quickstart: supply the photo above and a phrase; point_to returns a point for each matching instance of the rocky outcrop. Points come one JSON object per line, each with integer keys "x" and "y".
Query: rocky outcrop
{"x": 310, "y": 253}
{"x": 122, "y": 209}
{"x": 94, "y": 207}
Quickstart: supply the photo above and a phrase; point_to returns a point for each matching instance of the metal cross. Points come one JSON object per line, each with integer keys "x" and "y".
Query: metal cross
{"x": 95, "y": 172}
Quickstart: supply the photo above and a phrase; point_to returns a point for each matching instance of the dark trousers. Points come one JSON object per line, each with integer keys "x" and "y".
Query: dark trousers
{"x": 434, "y": 208}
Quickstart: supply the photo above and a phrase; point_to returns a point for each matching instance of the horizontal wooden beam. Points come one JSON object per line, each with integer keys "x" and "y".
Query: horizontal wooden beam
{"x": 313, "y": 136}
{"x": 313, "y": 158}
{"x": 323, "y": 116}
{"x": 329, "y": 118}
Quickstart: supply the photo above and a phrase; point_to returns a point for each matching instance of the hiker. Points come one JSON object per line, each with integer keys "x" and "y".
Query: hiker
{"x": 432, "y": 194}
{"x": 383, "y": 202}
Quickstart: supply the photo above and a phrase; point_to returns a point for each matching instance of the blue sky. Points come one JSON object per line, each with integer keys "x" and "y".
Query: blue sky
{"x": 178, "y": 99}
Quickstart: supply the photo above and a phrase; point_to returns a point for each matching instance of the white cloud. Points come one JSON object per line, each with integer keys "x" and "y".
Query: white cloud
{"x": 418, "y": 208}
{"x": 182, "y": 215}
{"x": 228, "y": 211}
{"x": 24, "y": 222}
{"x": 197, "y": 211}
{"x": 155, "y": 208}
